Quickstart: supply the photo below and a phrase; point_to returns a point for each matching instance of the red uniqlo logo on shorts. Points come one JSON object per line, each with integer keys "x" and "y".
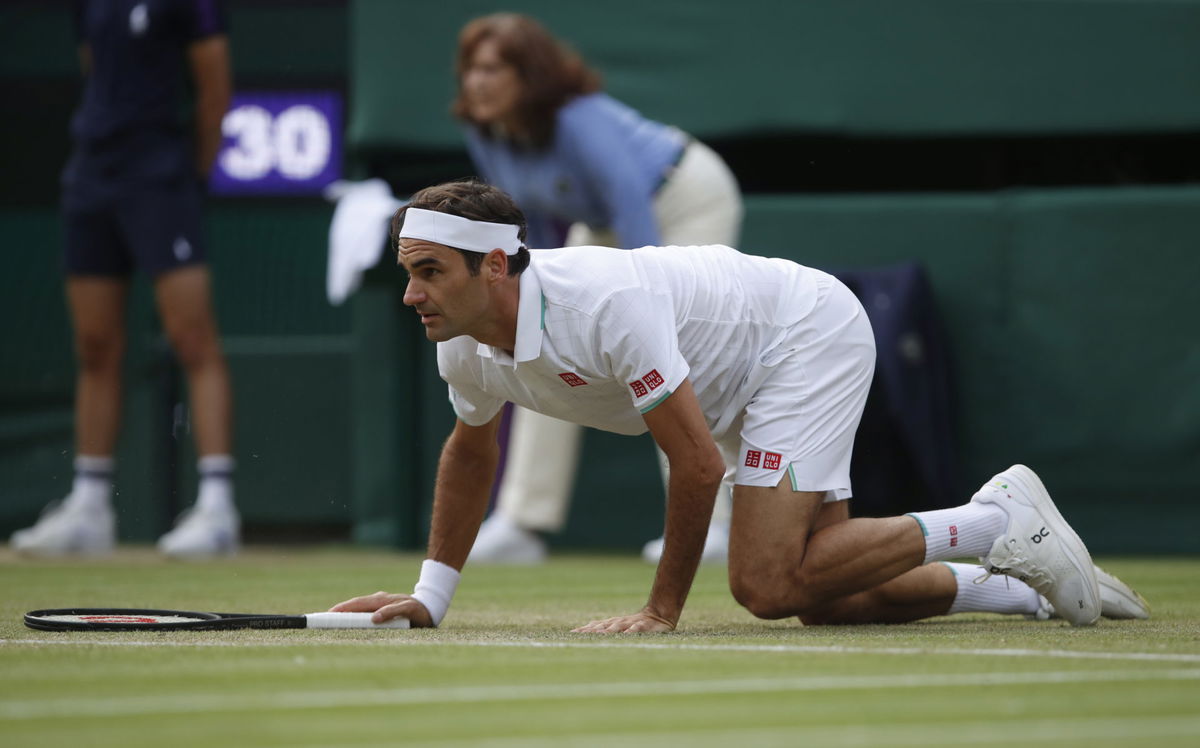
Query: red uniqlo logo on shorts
{"x": 572, "y": 379}
{"x": 953, "y": 535}
{"x": 771, "y": 460}
{"x": 753, "y": 457}
{"x": 653, "y": 379}
{"x": 639, "y": 389}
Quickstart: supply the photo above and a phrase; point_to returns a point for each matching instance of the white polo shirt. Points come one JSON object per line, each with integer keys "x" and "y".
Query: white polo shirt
{"x": 604, "y": 335}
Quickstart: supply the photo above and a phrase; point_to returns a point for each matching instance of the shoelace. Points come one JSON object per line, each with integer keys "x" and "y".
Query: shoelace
{"x": 1035, "y": 577}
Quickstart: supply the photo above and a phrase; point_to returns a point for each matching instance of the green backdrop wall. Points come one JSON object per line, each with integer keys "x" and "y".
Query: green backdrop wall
{"x": 1069, "y": 310}
{"x": 920, "y": 67}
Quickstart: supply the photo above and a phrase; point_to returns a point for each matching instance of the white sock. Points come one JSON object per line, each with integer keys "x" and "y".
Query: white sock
{"x": 967, "y": 530}
{"x": 92, "y": 487}
{"x": 216, "y": 483}
{"x": 996, "y": 594}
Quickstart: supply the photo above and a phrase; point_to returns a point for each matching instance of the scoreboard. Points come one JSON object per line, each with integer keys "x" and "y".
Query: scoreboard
{"x": 279, "y": 143}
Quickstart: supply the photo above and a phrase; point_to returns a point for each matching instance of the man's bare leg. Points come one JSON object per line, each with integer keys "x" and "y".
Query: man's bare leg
{"x": 84, "y": 522}
{"x": 97, "y": 306}
{"x": 793, "y": 554}
{"x": 185, "y": 306}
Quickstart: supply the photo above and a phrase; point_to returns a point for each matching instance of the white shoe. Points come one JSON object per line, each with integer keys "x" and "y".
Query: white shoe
{"x": 202, "y": 534}
{"x": 1039, "y": 547}
{"x": 502, "y": 541}
{"x": 67, "y": 529}
{"x": 1117, "y": 600}
{"x": 716, "y": 546}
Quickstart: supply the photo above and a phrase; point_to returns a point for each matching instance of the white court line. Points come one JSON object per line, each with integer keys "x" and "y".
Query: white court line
{"x": 1065, "y": 654}
{"x": 190, "y": 703}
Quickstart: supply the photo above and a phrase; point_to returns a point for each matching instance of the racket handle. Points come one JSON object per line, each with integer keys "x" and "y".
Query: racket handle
{"x": 351, "y": 621}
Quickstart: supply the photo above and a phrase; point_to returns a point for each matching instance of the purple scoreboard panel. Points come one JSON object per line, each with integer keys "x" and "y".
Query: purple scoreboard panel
{"x": 279, "y": 143}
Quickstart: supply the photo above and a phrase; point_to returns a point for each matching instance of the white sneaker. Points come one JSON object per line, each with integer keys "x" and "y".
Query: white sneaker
{"x": 716, "y": 546}
{"x": 1117, "y": 600}
{"x": 502, "y": 541}
{"x": 67, "y": 529}
{"x": 1039, "y": 547}
{"x": 202, "y": 534}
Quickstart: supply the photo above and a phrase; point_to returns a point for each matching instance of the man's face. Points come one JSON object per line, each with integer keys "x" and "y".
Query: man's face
{"x": 450, "y": 300}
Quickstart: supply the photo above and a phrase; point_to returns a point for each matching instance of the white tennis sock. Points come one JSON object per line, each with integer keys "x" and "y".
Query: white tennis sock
{"x": 216, "y": 483}
{"x": 967, "y": 530}
{"x": 996, "y": 594}
{"x": 92, "y": 487}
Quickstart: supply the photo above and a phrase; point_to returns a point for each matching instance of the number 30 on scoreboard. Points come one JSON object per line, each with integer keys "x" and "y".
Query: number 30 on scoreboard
{"x": 279, "y": 144}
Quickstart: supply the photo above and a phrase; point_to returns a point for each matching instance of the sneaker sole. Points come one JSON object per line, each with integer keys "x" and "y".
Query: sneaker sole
{"x": 27, "y": 547}
{"x": 199, "y": 555}
{"x": 1031, "y": 485}
{"x": 1118, "y": 600}
{"x": 92, "y": 552}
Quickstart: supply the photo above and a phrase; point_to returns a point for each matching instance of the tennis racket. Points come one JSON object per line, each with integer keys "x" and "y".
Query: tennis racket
{"x": 141, "y": 619}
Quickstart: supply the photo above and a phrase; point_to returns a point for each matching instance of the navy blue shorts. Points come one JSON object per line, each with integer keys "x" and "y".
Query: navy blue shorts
{"x": 155, "y": 230}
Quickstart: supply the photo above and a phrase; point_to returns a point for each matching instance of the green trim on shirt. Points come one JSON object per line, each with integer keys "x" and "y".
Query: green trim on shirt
{"x": 543, "y": 327}
{"x": 656, "y": 403}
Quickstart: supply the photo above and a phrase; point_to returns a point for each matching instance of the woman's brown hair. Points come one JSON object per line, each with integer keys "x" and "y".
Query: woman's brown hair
{"x": 551, "y": 73}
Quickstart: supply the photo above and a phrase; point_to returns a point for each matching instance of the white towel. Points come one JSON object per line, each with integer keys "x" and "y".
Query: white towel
{"x": 357, "y": 234}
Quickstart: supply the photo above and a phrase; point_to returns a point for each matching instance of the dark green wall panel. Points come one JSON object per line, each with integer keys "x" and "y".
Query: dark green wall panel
{"x": 858, "y": 67}
{"x": 1069, "y": 312}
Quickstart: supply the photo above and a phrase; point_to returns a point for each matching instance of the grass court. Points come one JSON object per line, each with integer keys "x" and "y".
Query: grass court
{"x": 505, "y": 671}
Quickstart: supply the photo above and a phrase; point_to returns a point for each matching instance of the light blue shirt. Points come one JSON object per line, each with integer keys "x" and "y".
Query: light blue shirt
{"x": 602, "y": 168}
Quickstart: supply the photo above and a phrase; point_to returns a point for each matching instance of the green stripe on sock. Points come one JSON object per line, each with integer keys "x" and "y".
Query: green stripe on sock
{"x": 924, "y": 531}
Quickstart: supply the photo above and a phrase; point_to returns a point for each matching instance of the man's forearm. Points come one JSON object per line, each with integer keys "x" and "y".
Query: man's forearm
{"x": 210, "y": 111}
{"x": 689, "y": 509}
{"x": 464, "y": 483}
{"x": 213, "y": 77}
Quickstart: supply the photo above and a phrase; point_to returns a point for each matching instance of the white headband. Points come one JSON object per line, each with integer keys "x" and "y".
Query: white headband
{"x": 458, "y": 232}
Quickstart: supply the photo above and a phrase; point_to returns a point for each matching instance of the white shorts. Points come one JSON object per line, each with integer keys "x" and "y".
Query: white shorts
{"x": 801, "y": 421}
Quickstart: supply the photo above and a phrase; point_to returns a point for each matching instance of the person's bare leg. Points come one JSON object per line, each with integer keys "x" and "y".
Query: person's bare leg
{"x": 213, "y": 527}
{"x": 97, "y": 307}
{"x": 923, "y": 592}
{"x": 84, "y": 522}
{"x": 184, "y": 300}
{"x": 791, "y": 555}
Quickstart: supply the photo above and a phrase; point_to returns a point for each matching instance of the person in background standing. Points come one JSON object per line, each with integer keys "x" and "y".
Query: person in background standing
{"x": 585, "y": 170}
{"x": 132, "y": 200}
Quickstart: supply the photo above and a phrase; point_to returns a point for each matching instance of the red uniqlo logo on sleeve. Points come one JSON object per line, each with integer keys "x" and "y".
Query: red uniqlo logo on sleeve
{"x": 953, "y": 535}
{"x": 639, "y": 389}
{"x": 771, "y": 460}
{"x": 572, "y": 379}
{"x": 653, "y": 380}
{"x": 753, "y": 457}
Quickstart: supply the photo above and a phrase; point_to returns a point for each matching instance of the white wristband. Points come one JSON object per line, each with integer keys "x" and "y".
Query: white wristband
{"x": 436, "y": 587}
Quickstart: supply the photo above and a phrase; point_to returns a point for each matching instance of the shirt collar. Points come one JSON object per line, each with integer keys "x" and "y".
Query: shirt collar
{"x": 531, "y": 322}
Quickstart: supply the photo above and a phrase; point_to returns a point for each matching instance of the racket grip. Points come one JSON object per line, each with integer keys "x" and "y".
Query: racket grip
{"x": 351, "y": 621}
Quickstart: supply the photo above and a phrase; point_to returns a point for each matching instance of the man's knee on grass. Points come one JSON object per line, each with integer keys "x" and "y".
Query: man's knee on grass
{"x": 772, "y": 590}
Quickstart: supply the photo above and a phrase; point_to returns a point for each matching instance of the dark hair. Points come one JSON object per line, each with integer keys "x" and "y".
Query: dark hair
{"x": 551, "y": 72}
{"x": 478, "y": 201}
